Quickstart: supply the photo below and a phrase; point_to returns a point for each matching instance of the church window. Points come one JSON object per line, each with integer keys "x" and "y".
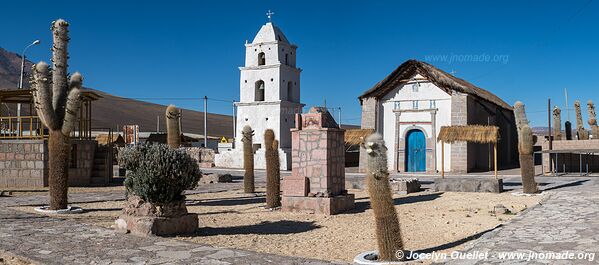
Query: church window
{"x": 396, "y": 105}
{"x": 289, "y": 91}
{"x": 266, "y": 118}
{"x": 271, "y": 80}
{"x": 259, "y": 93}
{"x": 414, "y": 104}
{"x": 246, "y": 81}
{"x": 433, "y": 104}
{"x": 261, "y": 58}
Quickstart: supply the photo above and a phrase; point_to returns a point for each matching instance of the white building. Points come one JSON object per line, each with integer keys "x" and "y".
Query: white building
{"x": 269, "y": 91}
{"x": 409, "y": 107}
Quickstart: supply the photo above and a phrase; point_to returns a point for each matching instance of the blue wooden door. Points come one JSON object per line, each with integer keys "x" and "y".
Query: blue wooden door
{"x": 415, "y": 151}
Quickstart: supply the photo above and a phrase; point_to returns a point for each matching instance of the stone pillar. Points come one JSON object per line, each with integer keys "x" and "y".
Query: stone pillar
{"x": 317, "y": 181}
{"x": 433, "y": 168}
{"x": 459, "y": 116}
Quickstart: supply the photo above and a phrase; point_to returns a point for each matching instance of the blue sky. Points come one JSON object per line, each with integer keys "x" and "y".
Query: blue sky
{"x": 519, "y": 50}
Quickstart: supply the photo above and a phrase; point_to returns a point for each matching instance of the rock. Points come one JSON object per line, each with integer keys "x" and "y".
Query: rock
{"x": 500, "y": 209}
{"x": 469, "y": 184}
{"x": 404, "y": 185}
{"x": 216, "y": 178}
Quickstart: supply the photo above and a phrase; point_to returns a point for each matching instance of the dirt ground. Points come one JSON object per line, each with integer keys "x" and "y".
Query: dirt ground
{"x": 443, "y": 221}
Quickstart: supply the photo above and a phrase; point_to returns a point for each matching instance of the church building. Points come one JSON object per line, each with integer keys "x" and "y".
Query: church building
{"x": 269, "y": 96}
{"x": 410, "y": 106}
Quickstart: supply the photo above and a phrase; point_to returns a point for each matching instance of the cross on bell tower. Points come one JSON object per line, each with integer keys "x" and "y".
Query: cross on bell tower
{"x": 269, "y": 15}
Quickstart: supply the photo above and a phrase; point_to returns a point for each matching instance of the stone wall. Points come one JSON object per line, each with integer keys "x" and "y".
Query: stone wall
{"x": 368, "y": 121}
{"x": 459, "y": 116}
{"x": 80, "y": 170}
{"x": 23, "y": 163}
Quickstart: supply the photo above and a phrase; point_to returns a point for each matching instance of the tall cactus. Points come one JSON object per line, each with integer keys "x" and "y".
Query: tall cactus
{"x": 583, "y": 134}
{"x": 593, "y": 119}
{"x": 173, "y": 117}
{"x": 557, "y": 123}
{"x": 248, "y": 159}
{"x": 57, "y": 102}
{"x": 526, "y": 142}
{"x": 273, "y": 171}
{"x": 388, "y": 232}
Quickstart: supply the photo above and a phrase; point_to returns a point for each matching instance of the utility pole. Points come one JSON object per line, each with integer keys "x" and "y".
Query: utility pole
{"x": 158, "y": 123}
{"x": 205, "y": 121}
{"x": 549, "y": 122}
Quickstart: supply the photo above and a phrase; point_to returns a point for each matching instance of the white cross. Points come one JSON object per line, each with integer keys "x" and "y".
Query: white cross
{"x": 269, "y": 15}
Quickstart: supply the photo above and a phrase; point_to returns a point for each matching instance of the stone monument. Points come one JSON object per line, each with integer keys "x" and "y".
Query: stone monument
{"x": 317, "y": 181}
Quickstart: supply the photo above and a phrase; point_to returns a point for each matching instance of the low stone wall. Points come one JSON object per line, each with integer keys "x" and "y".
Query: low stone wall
{"x": 23, "y": 163}
{"x": 234, "y": 159}
{"x": 469, "y": 184}
{"x": 204, "y": 156}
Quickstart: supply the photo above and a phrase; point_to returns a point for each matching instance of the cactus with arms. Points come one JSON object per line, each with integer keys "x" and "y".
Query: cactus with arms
{"x": 57, "y": 102}
{"x": 248, "y": 159}
{"x": 557, "y": 123}
{"x": 593, "y": 119}
{"x": 526, "y": 142}
{"x": 388, "y": 232}
{"x": 172, "y": 126}
{"x": 583, "y": 134}
{"x": 273, "y": 170}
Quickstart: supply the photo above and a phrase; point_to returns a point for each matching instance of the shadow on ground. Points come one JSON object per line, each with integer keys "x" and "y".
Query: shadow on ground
{"x": 565, "y": 185}
{"x": 457, "y": 242}
{"x": 263, "y": 228}
{"x": 361, "y": 205}
{"x": 228, "y": 202}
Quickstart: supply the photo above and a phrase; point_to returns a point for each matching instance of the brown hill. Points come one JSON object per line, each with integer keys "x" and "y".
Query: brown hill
{"x": 114, "y": 112}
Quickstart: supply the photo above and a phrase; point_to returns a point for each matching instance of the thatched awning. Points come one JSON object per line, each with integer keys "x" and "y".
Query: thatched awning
{"x": 469, "y": 133}
{"x": 356, "y": 136}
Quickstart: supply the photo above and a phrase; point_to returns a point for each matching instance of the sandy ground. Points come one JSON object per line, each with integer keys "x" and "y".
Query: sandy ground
{"x": 9, "y": 259}
{"x": 443, "y": 221}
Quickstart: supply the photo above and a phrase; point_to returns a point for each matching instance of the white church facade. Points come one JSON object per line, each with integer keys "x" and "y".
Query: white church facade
{"x": 269, "y": 96}
{"x": 411, "y": 104}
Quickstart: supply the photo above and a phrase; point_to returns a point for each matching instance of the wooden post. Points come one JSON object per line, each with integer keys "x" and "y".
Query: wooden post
{"x": 442, "y": 159}
{"x": 495, "y": 158}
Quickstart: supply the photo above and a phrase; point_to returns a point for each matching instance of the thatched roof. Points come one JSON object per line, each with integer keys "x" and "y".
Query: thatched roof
{"x": 440, "y": 78}
{"x": 103, "y": 139}
{"x": 469, "y": 133}
{"x": 356, "y": 136}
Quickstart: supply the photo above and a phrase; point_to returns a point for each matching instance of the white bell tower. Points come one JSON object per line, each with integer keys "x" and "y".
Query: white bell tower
{"x": 269, "y": 87}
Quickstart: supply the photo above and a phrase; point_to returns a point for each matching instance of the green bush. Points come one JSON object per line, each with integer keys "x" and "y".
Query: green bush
{"x": 159, "y": 174}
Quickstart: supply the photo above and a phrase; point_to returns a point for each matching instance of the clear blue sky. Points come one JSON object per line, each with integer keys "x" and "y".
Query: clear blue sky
{"x": 157, "y": 49}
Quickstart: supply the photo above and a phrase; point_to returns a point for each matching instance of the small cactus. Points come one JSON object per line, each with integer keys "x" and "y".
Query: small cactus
{"x": 583, "y": 134}
{"x": 273, "y": 171}
{"x": 557, "y": 123}
{"x": 173, "y": 131}
{"x": 248, "y": 159}
{"x": 57, "y": 102}
{"x": 388, "y": 232}
{"x": 526, "y": 141}
{"x": 593, "y": 119}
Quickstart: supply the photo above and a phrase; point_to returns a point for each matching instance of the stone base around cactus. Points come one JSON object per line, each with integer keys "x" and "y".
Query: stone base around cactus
{"x": 469, "y": 184}
{"x": 318, "y": 205}
{"x": 144, "y": 218}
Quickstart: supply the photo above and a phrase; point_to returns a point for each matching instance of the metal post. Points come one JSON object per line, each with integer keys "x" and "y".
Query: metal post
{"x": 495, "y": 159}
{"x": 21, "y": 78}
{"x": 205, "y": 121}
{"x": 549, "y": 121}
{"x": 339, "y": 114}
{"x": 158, "y": 123}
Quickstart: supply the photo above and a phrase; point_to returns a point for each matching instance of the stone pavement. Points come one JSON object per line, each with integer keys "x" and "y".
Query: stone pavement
{"x": 567, "y": 221}
{"x": 48, "y": 240}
